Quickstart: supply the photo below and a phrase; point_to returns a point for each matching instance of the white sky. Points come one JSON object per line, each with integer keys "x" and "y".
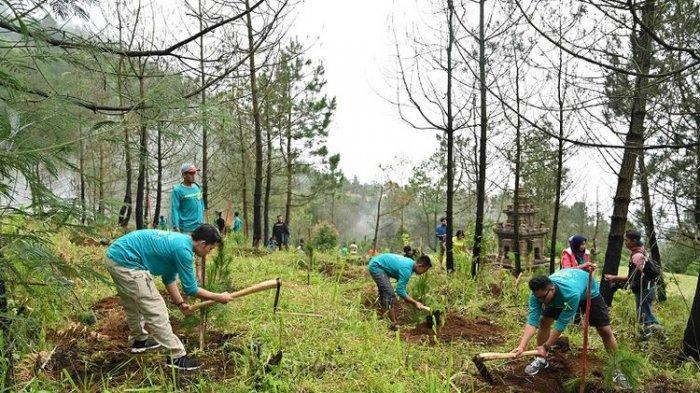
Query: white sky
{"x": 354, "y": 41}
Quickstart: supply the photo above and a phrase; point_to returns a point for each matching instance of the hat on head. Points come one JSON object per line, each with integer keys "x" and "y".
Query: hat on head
{"x": 188, "y": 168}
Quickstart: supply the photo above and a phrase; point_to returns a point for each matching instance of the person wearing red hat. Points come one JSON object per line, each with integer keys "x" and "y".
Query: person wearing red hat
{"x": 186, "y": 204}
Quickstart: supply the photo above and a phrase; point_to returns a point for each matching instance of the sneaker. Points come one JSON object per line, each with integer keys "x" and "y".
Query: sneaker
{"x": 183, "y": 363}
{"x": 144, "y": 345}
{"x": 621, "y": 381}
{"x": 538, "y": 364}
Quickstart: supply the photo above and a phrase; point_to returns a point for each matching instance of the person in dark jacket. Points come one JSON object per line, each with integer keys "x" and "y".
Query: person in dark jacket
{"x": 280, "y": 231}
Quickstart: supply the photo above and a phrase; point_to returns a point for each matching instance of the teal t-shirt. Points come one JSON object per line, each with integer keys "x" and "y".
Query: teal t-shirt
{"x": 237, "y": 223}
{"x": 186, "y": 207}
{"x": 571, "y": 287}
{"x": 395, "y": 266}
{"x": 166, "y": 254}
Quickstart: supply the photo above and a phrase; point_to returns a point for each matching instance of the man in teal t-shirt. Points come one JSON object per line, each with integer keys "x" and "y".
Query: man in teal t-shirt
{"x": 132, "y": 261}
{"x": 557, "y": 297}
{"x": 237, "y": 222}
{"x": 385, "y": 266}
{"x": 186, "y": 204}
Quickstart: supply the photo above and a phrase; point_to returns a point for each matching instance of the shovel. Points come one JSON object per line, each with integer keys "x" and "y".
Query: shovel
{"x": 263, "y": 286}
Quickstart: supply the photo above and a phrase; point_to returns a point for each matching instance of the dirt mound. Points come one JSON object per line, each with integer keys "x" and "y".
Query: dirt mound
{"x": 102, "y": 349}
{"x": 455, "y": 327}
{"x": 404, "y": 314}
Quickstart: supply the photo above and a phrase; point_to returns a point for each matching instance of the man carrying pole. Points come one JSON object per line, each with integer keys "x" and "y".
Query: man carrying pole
{"x": 132, "y": 261}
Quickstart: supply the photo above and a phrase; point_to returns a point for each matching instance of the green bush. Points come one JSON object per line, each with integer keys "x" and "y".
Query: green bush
{"x": 324, "y": 237}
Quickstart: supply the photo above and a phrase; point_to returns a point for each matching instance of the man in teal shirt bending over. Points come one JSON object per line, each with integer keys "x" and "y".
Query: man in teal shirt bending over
{"x": 557, "y": 297}
{"x": 186, "y": 205}
{"x": 133, "y": 260}
{"x": 385, "y": 266}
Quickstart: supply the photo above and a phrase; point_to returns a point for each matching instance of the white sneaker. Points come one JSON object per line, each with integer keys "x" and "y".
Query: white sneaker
{"x": 538, "y": 364}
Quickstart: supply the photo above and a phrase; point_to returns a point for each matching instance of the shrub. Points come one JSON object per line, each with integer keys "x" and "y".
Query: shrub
{"x": 324, "y": 237}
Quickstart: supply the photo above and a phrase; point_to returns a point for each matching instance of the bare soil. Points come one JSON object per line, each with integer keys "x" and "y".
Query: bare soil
{"x": 455, "y": 327}
{"x": 349, "y": 272}
{"x": 102, "y": 351}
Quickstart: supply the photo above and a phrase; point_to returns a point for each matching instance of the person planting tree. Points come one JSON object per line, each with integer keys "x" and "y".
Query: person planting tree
{"x": 557, "y": 297}
{"x": 132, "y": 261}
{"x": 385, "y": 266}
{"x": 642, "y": 276}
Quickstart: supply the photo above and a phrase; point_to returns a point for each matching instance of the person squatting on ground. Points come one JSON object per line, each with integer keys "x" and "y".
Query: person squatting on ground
{"x": 642, "y": 277}
{"x": 557, "y": 297}
{"x": 280, "y": 231}
{"x": 385, "y": 266}
{"x": 441, "y": 235}
{"x": 408, "y": 252}
{"x": 132, "y": 261}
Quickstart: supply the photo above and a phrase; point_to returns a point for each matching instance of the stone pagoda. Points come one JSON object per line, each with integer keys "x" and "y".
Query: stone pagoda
{"x": 531, "y": 234}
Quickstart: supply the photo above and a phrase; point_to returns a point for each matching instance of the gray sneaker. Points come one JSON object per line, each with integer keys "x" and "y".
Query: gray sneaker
{"x": 621, "y": 381}
{"x": 538, "y": 364}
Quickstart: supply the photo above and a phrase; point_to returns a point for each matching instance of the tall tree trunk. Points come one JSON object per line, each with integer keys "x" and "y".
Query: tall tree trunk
{"x": 81, "y": 165}
{"x": 125, "y": 210}
{"x": 268, "y": 172}
{"x": 5, "y": 337}
{"x": 101, "y": 180}
{"x": 449, "y": 259}
{"x": 290, "y": 155}
{"x": 244, "y": 177}
{"x": 560, "y": 165}
{"x": 376, "y": 222}
{"x": 649, "y": 227}
{"x": 697, "y": 174}
{"x": 205, "y": 128}
{"x": 691, "y": 337}
{"x": 516, "y": 193}
{"x": 159, "y": 176}
{"x": 481, "y": 181}
{"x": 257, "y": 189}
{"x": 642, "y": 53}
{"x": 143, "y": 153}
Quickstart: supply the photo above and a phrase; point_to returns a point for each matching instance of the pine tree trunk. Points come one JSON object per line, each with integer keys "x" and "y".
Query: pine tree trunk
{"x": 257, "y": 189}
{"x": 125, "y": 210}
{"x": 449, "y": 259}
{"x": 159, "y": 176}
{"x": 649, "y": 227}
{"x": 691, "y": 337}
{"x": 481, "y": 181}
{"x": 516, "y": 194}
{"x": 205, "y": 128}
{"x": 5, "y": 337}
{"x": 101, "y": 181}
{"x": 268, "y": 174}
{"x": 244, "y": 177}
{"x": 642, "y": 51}
{"x": 376, "y": 222}
{"x": 81, "y": 165}
{"x": 290, "y": 166}
{"x": 143, "y": 153}
{"x": 560, "y": 169}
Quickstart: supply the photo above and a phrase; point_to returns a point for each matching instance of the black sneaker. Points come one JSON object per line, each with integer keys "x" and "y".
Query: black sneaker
{"x": 144, "y": 345}
{"x": 183, "y": 363}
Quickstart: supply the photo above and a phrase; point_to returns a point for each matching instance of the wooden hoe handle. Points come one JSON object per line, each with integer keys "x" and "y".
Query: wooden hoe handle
{"x": 263, "y": 286}
{"x": 507, "y": 355}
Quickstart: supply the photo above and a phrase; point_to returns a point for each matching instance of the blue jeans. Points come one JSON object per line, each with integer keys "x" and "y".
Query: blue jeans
{"x": 644, "y": 299}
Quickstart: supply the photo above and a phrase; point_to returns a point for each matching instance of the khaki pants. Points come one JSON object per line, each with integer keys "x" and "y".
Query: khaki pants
{"x": 144, "y": 305}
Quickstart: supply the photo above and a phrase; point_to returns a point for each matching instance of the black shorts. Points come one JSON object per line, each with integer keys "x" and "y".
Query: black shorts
{"x": 599, "y": 312}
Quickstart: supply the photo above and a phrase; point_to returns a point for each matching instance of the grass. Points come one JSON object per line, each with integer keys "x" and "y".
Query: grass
{"x": 349, "y": 348}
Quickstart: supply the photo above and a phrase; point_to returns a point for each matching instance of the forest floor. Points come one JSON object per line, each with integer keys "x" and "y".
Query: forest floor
{"x": 328, "y": 335}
